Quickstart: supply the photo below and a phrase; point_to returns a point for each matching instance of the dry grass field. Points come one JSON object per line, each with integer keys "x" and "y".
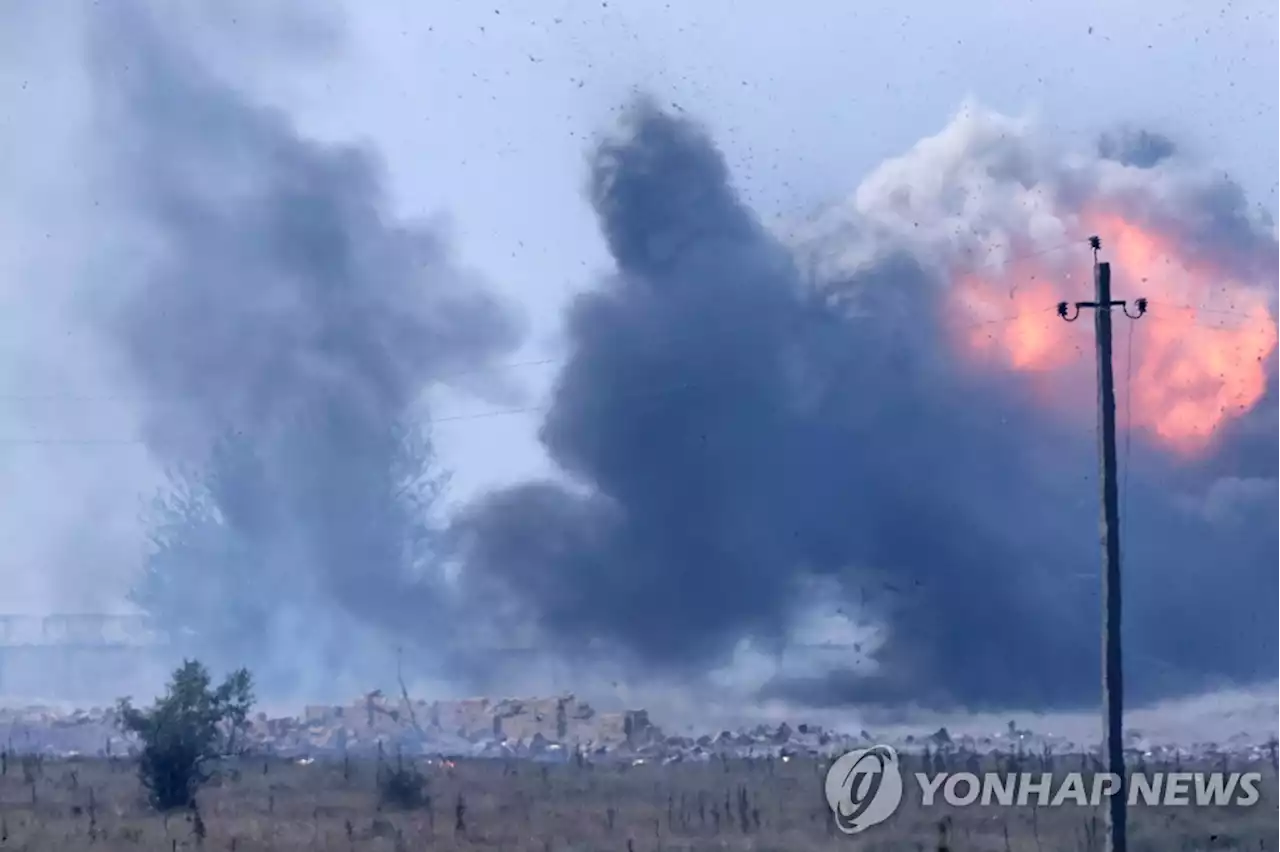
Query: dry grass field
{"x": 272, "y": 804}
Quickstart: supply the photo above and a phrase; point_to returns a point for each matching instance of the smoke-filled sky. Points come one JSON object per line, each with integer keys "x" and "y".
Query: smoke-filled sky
{"x": 699, "y": 322}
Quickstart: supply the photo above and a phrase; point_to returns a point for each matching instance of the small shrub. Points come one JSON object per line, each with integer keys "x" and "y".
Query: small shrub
{"x": 187, "y": 729}
{"x": 402, "y": 786}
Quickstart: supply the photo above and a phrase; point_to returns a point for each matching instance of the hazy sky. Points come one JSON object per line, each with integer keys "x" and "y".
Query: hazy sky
{"x": 482, "y": 113}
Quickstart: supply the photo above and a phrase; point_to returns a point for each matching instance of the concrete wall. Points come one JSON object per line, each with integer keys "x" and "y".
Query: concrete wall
{"x": 563, "y": 719}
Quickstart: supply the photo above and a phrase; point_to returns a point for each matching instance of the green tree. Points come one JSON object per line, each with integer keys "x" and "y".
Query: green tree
{"x": 269, "y": 527}
{"x": 189, "y": 727}
{"x": 206, "y": 585}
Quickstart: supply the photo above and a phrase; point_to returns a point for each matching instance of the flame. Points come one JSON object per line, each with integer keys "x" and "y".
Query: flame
{"x": 1195, "y": 362}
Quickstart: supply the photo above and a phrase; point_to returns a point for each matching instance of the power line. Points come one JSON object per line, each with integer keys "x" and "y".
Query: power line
{"x": 1080, "y": 242}
{"x": 455, "y": 418}
{"x": 451, "y": 374}
{"x": 1153, "y": 313}
{"x": 542, "y": 407}
{"x": 1202, "y": 309}
{"x": 513, "y": 365}
{"x": 509, "y": 411}
{"x": 1166, "y": 317}
{"x": 1128, "y": 428}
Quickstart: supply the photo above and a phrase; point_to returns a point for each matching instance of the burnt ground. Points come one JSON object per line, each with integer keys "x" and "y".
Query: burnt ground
{"x": 764, "y": 804}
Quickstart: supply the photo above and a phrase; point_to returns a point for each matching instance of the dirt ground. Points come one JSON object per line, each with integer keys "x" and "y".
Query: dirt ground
{"x": 272, "y": 804}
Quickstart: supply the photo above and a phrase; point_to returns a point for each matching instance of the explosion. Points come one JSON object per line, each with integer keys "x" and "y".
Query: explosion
{"x": 292, "y": 324}
{"x": 1196, "y": 361}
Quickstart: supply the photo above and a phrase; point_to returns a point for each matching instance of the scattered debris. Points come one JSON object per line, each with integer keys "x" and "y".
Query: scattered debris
{"x": 557, "y": 729}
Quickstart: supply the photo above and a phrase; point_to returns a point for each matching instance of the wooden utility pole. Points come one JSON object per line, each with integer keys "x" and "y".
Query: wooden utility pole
{"x": 1112, "y": 669}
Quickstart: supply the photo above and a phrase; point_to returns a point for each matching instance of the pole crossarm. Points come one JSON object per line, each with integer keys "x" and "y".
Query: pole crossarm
{"x": 1140, "y": 305}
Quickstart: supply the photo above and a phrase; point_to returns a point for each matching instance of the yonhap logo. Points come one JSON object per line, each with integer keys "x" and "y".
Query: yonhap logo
{"x": 864, "y": 788}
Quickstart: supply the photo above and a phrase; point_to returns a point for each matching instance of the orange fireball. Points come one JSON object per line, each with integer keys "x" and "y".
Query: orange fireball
{"x": 1197, "y": 360}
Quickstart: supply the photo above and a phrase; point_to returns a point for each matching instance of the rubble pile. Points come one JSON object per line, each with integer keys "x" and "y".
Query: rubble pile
{"x": 476, "y": 726}
{"x": 473, "y": 727}
{"x": 561, "y": 729}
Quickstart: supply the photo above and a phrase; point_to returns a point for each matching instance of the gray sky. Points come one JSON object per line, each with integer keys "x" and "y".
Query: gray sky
{"x": 482, "y": 112}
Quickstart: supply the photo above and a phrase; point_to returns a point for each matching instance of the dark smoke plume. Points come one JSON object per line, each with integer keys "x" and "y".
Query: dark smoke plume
{"x": 743, "y": 419}
{"x": 280, "y": 332}
{"x": 1141, "y": 148}
{"x": 734, "y": 430}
